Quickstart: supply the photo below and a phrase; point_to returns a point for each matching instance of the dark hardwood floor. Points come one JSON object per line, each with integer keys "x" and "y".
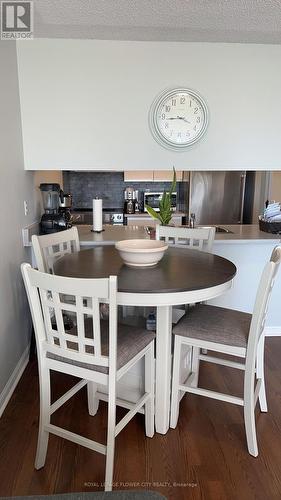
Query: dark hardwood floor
{"x": 204, "y": 458}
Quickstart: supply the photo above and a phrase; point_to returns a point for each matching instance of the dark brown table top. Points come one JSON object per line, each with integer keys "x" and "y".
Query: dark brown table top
{"x": 180, "y": 270}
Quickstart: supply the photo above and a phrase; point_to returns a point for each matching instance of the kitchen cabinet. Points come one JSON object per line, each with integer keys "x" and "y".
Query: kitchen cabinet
{"x": 151, "y": 175}
{"x": 166, "y": 175}
{"x": 138, "y": 175}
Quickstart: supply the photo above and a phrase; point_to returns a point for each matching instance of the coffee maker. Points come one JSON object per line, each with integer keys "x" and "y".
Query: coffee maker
{"x": 65, "y": 206}
{"x": 129, "y": 202}
{"x": 54, "y": 219}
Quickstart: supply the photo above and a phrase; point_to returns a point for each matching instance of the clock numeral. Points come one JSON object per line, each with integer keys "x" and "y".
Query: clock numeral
{"x": 182, "y": 100}
{"x": 196, "y": 110}
{"x": 179, "y": 134}
{"x": 195, "y": 128}
{"x": 174, "y": 102}
{"x": 167, "y": 108}
{"x": 190, "y": 103}
{"x": 166, "y": 125}
{"x": 163, "y": 116}
{"x": 198, "y": 119}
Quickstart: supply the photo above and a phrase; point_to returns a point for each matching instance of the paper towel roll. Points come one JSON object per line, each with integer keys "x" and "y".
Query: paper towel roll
{"x": 97, "y": 215}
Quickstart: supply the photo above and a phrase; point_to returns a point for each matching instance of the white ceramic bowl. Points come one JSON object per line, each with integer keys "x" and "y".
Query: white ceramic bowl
{"x": 141, "y": 253}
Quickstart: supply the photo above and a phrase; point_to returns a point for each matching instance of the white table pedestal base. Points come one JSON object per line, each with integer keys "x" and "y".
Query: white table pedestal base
{"x": 163, "y": 368}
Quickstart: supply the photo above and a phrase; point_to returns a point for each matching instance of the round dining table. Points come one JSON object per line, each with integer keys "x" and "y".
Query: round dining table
{"x": 183, "y": 276}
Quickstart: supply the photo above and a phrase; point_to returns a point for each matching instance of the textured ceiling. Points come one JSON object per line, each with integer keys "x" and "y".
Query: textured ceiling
{"x": 253, "y": 21}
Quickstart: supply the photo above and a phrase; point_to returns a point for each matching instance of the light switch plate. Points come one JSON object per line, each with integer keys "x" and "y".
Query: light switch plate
{"x": 25, "y": 206}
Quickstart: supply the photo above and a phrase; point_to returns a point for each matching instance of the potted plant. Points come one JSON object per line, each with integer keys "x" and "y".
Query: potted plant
{"x": 165, "y": 205}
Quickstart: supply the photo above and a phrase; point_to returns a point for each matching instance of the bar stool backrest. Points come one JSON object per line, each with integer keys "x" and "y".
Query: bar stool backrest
{"x": 50, "y": 247}
{"x": 201, "y": 238}
{"x": 261, "y": 304}
{"x": 46, "y": 293}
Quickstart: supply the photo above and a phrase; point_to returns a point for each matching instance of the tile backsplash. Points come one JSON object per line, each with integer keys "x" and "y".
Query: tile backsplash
{"x": 84, "y": 186}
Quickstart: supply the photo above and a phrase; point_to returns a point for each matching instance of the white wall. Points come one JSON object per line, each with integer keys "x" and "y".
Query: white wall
{"x": 85, "y": 103}
{"x": 16, "y": 185}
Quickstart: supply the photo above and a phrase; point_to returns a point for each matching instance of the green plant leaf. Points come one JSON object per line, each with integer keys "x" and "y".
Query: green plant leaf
{"x": 174, "y": 183}
{"x": 152, "y": 213}
{"x": 166, "y": 218}
{"x": 166, "y": 201}
{"x": 165, "y": 205}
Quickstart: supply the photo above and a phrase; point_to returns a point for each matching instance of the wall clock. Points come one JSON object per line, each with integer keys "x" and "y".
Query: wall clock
{"x": 178, "y": 118}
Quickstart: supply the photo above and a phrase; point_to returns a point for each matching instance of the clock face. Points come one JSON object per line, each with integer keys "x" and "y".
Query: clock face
{"x": 178, "y": 118}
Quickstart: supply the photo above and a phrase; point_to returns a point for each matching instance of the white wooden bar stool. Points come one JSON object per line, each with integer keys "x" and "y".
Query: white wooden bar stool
{"x": 229, "y": 332}
{"x": 50, "y": 247}
{"x": 96, "y": 351}
{"x": 201, "y": 238}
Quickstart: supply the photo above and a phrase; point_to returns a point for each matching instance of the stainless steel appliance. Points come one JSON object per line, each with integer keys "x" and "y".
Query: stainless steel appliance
{"x": 223, "y": 197}
{"x": 129, "y": 201}
{"x": 66, "y": 200}
{"x": 114, "y": 218}
{"x": 55, "y": 218}
{"x": 137, "y": 201}
{"x": 66, "y": 206}
{"x": 153, "y": 198}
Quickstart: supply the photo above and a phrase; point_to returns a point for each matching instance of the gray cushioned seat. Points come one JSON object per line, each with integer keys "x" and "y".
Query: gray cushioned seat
{"x": 215, "y": 324}
{"x": 130, "y": 341}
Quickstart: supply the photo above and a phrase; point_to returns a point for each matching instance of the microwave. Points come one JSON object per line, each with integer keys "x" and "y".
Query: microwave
{"x": 152, "y": 199}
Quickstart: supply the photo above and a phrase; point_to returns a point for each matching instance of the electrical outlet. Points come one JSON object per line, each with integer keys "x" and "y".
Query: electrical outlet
{"x": 25, "y": 206}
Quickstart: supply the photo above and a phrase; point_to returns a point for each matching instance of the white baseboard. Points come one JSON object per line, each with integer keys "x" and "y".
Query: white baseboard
{"x": 272, "y": 331}
{"x": 9, "y": 388}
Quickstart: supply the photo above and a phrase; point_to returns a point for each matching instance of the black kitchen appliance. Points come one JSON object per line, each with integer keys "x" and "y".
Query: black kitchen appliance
{"x": 152, "y": 199}
{"x": 55, "y": 218}
{"x": 129, "y": 201}
{"x": 65, "y": 206}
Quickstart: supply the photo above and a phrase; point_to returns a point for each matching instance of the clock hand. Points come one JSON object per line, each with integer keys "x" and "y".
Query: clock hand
{"x": 183, "y": 118}
{"x": 178, "y": 118}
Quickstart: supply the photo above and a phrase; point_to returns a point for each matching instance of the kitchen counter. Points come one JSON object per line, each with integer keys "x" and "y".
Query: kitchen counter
{"x": 239, "y": 234}
{"x": 110, "y": 235}
{"x": 244, "y": 233}
{"x": 145, "y": 214}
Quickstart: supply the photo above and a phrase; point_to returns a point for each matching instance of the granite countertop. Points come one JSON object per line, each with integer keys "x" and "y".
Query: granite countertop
{"x": 240, "y": 234}
{"x": 145, "y": 214}
{"x": 110, "y": 235}
{"x": 245, "y": 233}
